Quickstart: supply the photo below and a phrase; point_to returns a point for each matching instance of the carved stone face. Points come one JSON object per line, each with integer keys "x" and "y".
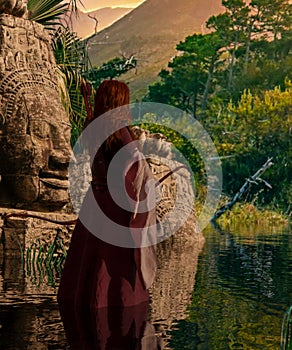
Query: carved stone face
{"x": 35, "y": 150}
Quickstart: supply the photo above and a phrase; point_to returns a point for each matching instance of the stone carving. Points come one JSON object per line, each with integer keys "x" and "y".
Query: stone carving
{"x": 176, "y": 191}
{"x": 177, "y": 255}
{"x": 15, "y": 8}
{"x": 34, "y": 127}
{"x": 153, "y": 143}
{"x": 34, "y": 157}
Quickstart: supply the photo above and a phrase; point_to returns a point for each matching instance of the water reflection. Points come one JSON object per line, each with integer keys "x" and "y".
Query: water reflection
{"x": 172, "y": 289}
{"x": 145, "y": 326}
{"x": 109, "y": 328}
{"x": 31, "y": 317}
{"x": 31, "y": 323}
{"x": 236, "y": 300}
{"x": 243, "y": 287}
{"x": 257, "y": 265}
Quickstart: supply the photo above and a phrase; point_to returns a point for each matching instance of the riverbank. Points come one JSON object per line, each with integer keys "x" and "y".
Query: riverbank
{"x": 248, "y": 213}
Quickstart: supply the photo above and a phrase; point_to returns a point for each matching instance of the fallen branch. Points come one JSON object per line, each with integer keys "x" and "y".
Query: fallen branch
{"x": 254, "y": 179}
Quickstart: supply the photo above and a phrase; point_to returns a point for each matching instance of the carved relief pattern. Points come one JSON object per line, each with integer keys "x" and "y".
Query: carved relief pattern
{"x": 26, "y": 61}
{"x": 14, "y": 84}
{"x": 33, "y": 166}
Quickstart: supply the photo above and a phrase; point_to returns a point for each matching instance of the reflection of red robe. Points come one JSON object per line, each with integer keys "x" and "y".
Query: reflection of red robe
{"x": 109, "y": 328}
{"x": 99, "y": 274}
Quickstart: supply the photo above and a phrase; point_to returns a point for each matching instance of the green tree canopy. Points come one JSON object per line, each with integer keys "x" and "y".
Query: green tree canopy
{"x": 236, "y": 81}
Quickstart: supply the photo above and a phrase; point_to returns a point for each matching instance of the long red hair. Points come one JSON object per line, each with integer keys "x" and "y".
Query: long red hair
{"x": 112, "y": 94}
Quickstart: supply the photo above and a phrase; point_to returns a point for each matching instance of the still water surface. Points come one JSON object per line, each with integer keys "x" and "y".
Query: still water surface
{"x": 232, "y": 296}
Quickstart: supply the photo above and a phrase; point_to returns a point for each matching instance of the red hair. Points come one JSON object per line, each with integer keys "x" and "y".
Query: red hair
{"x": 112, "y": 94}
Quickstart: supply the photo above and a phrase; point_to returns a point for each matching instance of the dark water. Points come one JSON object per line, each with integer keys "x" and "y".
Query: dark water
{"x": 243, "y": 288}
{"x": 233, "y": 296}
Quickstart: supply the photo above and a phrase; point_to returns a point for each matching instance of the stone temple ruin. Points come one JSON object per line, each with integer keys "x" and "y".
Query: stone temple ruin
{"x": 34, "y": 141}
{"x": 34, "y": 127}
{"x": 35, "y": 136}
{"x": 34, "y": 155}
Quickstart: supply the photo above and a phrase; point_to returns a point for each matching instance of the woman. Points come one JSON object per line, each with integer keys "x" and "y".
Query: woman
{"x": 96, "y": 273}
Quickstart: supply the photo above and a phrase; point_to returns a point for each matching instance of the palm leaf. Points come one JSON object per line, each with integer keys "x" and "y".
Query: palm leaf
{"x": 69, "y": 52}
{"x": 46, "y": 12}
{"x": 73, "y": 5}
{"x": 50, "y": 12}
{"x": 68, "y": 49}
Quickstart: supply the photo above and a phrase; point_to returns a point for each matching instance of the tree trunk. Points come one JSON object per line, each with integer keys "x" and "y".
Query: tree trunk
{"x": 231, "y": 65}
{"x": 247, "y": 48}
{"x": 208, "y": 85}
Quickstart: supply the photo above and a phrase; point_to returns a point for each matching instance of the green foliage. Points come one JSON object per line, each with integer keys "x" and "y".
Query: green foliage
{"x": 70, "y": 56}
{"x": 246, "y": 214}
{"x": 255, "y": 128}
{"x": 46, "y": 12}
{"x": 191, "y": 73}
{"x": 111, "y": 69}
{"x": 49, "y": 12}
{"x": 44, "y": 263}
{"x": 69, "y": 53}
{"x": 236, "y": 81}
{"x": 248, "y": 48}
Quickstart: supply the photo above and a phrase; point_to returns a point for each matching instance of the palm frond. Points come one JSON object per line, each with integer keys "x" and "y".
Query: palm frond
{"x": 69, "y": 53}
{"x": 73, "y": 5}
{"x": 68, "y": 49}
{"x": 50, "y": 12}
{"x": 47, "y": 12}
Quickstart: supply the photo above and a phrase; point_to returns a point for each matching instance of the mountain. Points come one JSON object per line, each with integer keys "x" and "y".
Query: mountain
{"x": 151, "y": 32}
{"x": 94, "y": 4}
{"x": 84, "y": 26}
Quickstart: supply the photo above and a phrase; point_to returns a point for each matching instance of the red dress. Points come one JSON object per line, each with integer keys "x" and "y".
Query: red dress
{"x": 99, "y": 274}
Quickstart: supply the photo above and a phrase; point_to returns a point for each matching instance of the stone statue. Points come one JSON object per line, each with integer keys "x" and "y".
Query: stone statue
{"x": 34, "y": 127}
{"x": 15, "y": 8}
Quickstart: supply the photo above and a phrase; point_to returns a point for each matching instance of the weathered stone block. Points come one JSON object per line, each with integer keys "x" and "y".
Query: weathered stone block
{"x": 14, "y": 240}
{"x": 13, "y": 7}
{"x": 34, "y": 128}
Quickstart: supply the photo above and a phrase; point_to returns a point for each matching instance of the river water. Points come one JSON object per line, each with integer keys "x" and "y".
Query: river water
{"x": 231, "y": 295}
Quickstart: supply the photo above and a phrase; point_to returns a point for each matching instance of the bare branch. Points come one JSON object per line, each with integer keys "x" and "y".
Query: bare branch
{"x": 251, "y": 180}
{"x": 96, "y": 22}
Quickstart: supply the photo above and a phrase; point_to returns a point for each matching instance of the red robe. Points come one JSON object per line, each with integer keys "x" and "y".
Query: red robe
{"x": 99, "y": 274}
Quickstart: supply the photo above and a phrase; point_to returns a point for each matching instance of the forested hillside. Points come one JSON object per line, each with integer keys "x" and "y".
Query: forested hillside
{"x": 150, "y": 32}
{"x": 236, "y": 80}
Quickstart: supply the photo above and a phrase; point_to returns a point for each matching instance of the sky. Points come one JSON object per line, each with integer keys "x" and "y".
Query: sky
{"x": 96, "y": 4}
